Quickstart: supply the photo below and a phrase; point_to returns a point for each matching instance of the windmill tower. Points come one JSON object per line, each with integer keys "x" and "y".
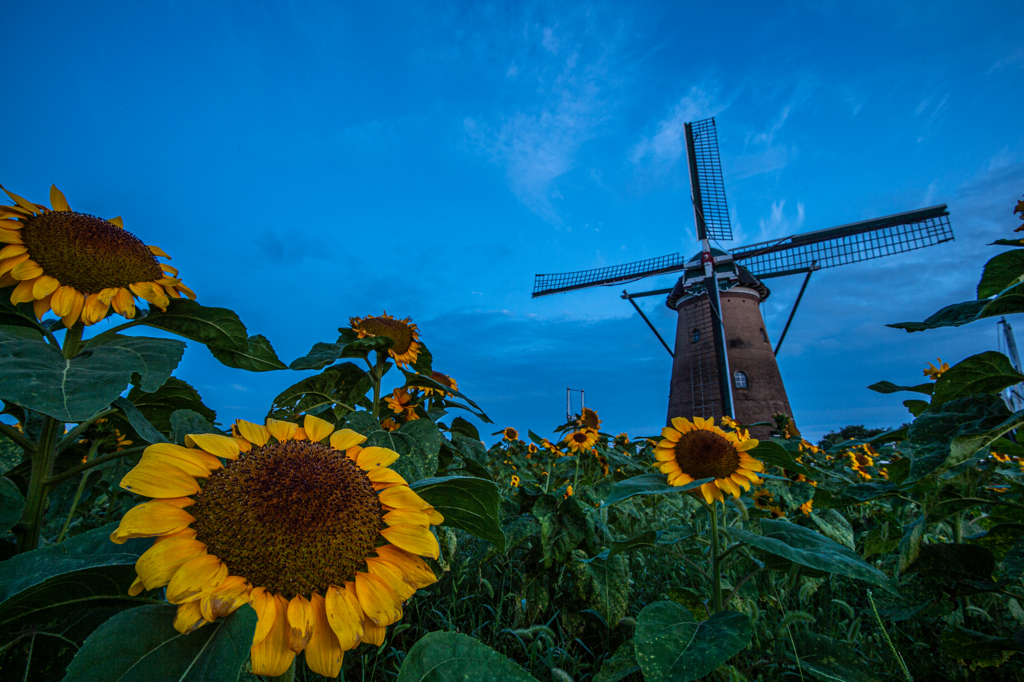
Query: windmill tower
{"x": 723, "y": 362}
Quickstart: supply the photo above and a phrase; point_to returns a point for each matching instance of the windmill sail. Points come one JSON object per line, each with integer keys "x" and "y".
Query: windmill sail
{"x": 706, "y": 186}
{"x": 847, "y": 243}
{"x": 851, "y": 243}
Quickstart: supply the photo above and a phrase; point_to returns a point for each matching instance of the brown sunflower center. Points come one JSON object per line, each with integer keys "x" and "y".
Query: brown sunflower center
{"x": 88, "y": 253}
{"x": 294, "y": 517}
{"x": 589, "y": 418}
{"x": 705, "y": 454}
{"x": 579, "y": 437}
{"x": 396, "y": 330}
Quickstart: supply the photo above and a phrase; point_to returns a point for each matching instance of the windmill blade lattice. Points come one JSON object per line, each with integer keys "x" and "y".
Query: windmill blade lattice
{"x": 706, "y": 183}
{"x": 845, "y": 244}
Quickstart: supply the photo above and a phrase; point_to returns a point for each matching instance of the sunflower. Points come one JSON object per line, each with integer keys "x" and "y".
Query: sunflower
{"x": 933, "y": 372}
{"x": 694, "y": 450}
{"x": 78, "y": 265}
{"x": 763, "y": 499}
{"x": 531, "y": 450}
{"x": 860, "y": 460}
{"x": 318, "y": 535}
{"x": 589, "y": 419}
{"x": 403, "y": 332}
{"x": 806, "y": 507}
{"x": 509, "y": 434}
{"x": 442, "y": 379}
{"x": 581, "y": 440}
{"x": 399, "y": 400}
{"x": 568, "y": 493}
{"x": 999, "y": 457}
{"x": 622, "y": 439}
{"x": 514, "y": 482}
{"x": 389, "y": 424}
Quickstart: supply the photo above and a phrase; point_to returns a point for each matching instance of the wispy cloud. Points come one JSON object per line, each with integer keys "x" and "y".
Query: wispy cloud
{"x": 664, "y": 148}
{"x": 566, "y": 87}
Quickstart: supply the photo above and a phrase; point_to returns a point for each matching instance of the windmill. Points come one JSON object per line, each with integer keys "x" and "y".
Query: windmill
{"x": 723, "y": 362}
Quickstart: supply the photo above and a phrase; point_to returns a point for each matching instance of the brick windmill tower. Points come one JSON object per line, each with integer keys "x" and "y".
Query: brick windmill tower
{"x": 723, "y": 362}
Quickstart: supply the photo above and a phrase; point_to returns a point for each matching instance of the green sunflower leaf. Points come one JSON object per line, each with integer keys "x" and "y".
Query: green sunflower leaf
{"x": 338, "y": 388}
{"x": 158, "y": 406}
{"x": 141, "y": 645}
{"x": 603, "y": 585}
{"x": 319, "y": 356}
{"x": 138, "y": 422}
{"x": 452, "y": 656}
{"x": 220, "y": 330}
{"x": 887, "y": 387}
{"x": 257, "y": 356}
{"x": 36, "y": 376}
{"x": 20, "y": 315}
{"x": 811, "y": 549}
{"x": 84, "y": 571}
{"x": 12, "y": 503}
{"x": 423, "y": 381}
{"x": 647, "y": 484}
{"x": 774, "y": 454}
{"x": 184, "y": 422}
{"x": 472, "y": 504}
{"x": 988, "y": 372}
{"x": 955, "y": 315}
{"x": 1005, "y": 270}
{"x": 619, "y": 665}
{"x": 673, "y": 647}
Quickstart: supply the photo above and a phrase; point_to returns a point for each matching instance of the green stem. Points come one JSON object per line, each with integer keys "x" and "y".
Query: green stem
{"x": 71, "y": 436}
{"x": 31, "y": 524}
{"x": 18, "y": 437}
{"x": 78, "y": 495}
{"x": 85, "y": 466}
{"x": 716, "y": 572}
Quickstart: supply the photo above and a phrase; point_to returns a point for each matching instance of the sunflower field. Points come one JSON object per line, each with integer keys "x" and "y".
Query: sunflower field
{"x": 362, "y": 534}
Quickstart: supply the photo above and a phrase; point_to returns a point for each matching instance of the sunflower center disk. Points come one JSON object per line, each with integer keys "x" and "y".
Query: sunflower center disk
{"x": 705, "y": 454}
{"x": 396, "y": 330}
{"x": 88, "y": 253}
{"x": 294, "y": 517}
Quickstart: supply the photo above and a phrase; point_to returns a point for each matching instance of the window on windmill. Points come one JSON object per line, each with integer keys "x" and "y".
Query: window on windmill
{"x": 741, "y": 379}
{"x": 764, "y": 337}
{"x": 695, "y": 336}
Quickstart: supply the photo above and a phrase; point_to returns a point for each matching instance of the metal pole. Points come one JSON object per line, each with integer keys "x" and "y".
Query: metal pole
{"x": 718, "y": 326}
{"x": 625, "y": 295}
{"x": 793, "y": 311}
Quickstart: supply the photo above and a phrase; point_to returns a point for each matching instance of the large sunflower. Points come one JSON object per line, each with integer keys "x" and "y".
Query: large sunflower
{"x": 581, "y": 440}
{"x": 78, "y": 265}
{"x": 442, "y": 379}
{"x": 321, "y": 538}
{"x": 694, "y": 450}
{"x": 589, "y": 419}
{"x": 403, "y": 332}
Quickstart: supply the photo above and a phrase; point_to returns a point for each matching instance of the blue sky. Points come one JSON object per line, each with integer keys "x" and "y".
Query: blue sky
{"x": 307, "y": 162}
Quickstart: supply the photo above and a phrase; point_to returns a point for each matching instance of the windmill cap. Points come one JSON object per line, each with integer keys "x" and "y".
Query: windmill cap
{"x": 746, "y": 279}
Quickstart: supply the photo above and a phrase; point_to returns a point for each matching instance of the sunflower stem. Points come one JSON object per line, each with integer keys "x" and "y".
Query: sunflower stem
{"x": 19, "y": 439}
{"x": 72, "y": 341}
{"x": 31, "y": 524}
{"x": 102, "y": 459}
{"x": 716, "y": 572}
{"x": 78, "y": 495}
{"x": 70, "y": 437}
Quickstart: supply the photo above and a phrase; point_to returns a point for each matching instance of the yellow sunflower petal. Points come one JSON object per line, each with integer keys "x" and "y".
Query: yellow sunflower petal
{"x": 8, "y": 264}
{"x": 679, "y": 478}
{"x": 281, "y": 430}
{"x": 62, "y": 300}
{"x": 395, "y": 579}
{"x": 272, "y": 656}
{"x": 44, "y": 286}
{"x": 220, "y": 446}
{"x": 226, "y": 599}
{"x": 748, "y": 462}
{"x": 378, "y": 601}
{"x": 741, "y": 481}
{"x": 190, "y": 460}
{"x": 415, "y": 539}
{"x": 670, "y": 434}
{"x": 668, "y": 467}
{"x": 77, "y": 302}
{"x": 682, "y": 424}
{"x": 118, "y": 222}
{"x": 382, "y": 477}
{"x": 375, "y": 457}
{"x": 727, "y": 485}
{"x": 157, "y": 251}
{"x": 159, "y": 563}
{"x": 301, "y": 620}
{"x": 710, "y": 490}
{"x": 196, "y": 578}
{"x": 300, "y": 434}
{"x": 124, "y": 303}
{"x": 256, "y": 434}
{"x": 436, "y": 518}
{"x": 12, "y": 250}
{"x": 41, "y": 306}
{"x": 159, "y": 479}
{"x": 748, "y": 444}
{"x": 401, "y": 497}
{"x": 265, "y": 606}
{"x": 324, "y": 653}
{"x": 413, "y": 516}
{"x": 413, "y": 567}
{"x": 372, "y": 633}
{"x": 23, "y": 292}
{"x": 664, "y": 454}
{"x": 24, "y": 203}
{"x": 345, "y": 615}
{"x": 137, "y": 588}
{"x": 189, "y": 618}
{"x": 57, "y": 199}
{"x": 317, "y": 429}
{"x": 346, "y": 438}
{"x": 10, "y": 237}
{"x": 27, "y": 269}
